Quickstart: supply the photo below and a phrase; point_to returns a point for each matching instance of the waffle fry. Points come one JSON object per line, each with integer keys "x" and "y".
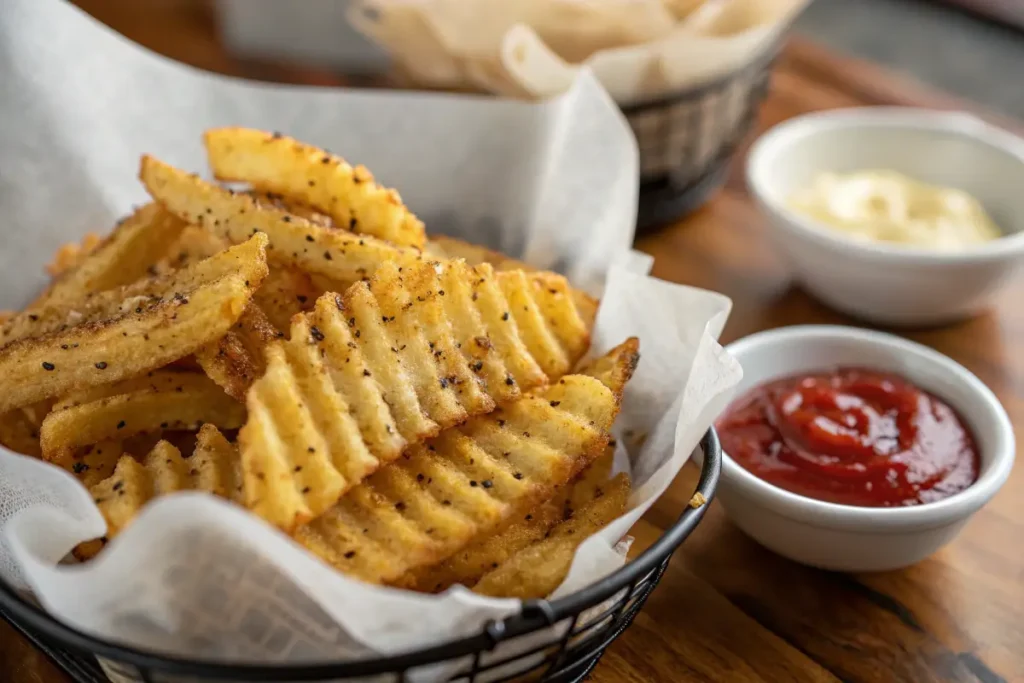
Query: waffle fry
{"x": 71, "y": 254}
{"x": 213, "y": 467}
{"x": 91, "y": 464}
{"x": 155, "y": 330}
{"x": 125, "y": 256}
{"x": 469, "y": 565}
{"x": 237, "y": 359}
{"x": 387, "y": 365}
{"x": 464, "y": 484}
{"x": 537, "y": 570}
{"x": 176, "y": 401}
{"x": 294, "y": 241}
{"x": 271, "y": 162}
{"x": 441, "y": 247}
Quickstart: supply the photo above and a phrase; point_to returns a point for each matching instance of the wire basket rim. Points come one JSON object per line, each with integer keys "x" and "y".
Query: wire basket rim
{"x": 535, "y": 615}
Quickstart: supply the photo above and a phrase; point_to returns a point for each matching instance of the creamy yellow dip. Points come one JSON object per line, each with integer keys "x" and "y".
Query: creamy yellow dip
{"x": 886, "y": 206}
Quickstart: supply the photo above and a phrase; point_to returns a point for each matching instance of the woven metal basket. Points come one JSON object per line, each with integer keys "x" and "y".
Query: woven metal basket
{"x": 687, "y": 140}
{"x": 556, "y": 640}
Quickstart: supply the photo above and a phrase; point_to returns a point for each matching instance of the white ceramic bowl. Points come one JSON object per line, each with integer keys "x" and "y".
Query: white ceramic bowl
{"x": 893, "y": 284}
{"x": 847, "y": 538}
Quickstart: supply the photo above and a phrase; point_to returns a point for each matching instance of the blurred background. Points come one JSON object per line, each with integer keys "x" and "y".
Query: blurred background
{"x": 695, "y": 78}
{"x": 965, "y": 47}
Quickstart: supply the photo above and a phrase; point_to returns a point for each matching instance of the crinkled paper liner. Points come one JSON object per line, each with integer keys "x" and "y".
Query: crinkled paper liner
{"x": 199, "y": 577}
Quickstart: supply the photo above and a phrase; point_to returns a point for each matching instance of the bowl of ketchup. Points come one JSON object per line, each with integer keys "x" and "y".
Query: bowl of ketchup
{"x": 854, "y": 450}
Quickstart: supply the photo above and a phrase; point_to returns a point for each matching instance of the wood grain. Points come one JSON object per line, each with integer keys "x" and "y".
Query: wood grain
{"x": 727, "y": 609}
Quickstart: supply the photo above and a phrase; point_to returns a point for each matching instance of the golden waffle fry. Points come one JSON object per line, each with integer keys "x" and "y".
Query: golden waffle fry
{"x": 19, "y": 434}
{"x": 469, "y": 565}
{"x": 284, "y": 293}
{"x": 125, "y": 256}
{"x": 213, "y": 467}
{"x": 294, "y": 241}
{"x": 296, "y": 208}
{"x": 441, "y": 247}
{"x": 71, "y": 254}
{"x": 237, "y": 359}
{"x": 174, "y": 401}
{"x": 194, "y": 244}
{"x": 464, "y": 484}
{"x": 411, "y": 353}
{"x": 148, "y": 331}
{"x": 537, "y": 570}
{"x": 91, "y": 464}
{"x": 99, "y": 306}
{"x": 352, "y": 198}
{"x": 616, "y": 367}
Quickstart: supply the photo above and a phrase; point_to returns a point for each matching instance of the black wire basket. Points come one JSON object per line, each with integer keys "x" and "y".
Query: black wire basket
{"x": 556, "y": 640}
{"x": 687, "y": 139}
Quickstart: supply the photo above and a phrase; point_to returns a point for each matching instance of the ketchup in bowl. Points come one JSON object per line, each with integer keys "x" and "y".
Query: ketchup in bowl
{"x": 851, "y": 436}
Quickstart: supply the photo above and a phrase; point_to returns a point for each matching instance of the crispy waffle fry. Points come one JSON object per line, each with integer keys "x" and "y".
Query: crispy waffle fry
{"x": 175, "y": 400}
{"x": 616, "y": 367}
{"x": 441, "y": 247}
{"x": 147, "y": 331}
{"x": 237, "y": 359}
{"x": 112, "y": 303}
{"x": 213, "y": 467}
{"x": 125, "y": 256}
{"x": 18, "y": 433}
{"x": 278, "y": 164}
{"x": 285, "y": 292}
{"x": 464, "y": 484}
{"x": 469, "y": 565}
{"x": 296, "y": 208}
{"x": 411, "y": 353}
{"x": 91, "y": 464}
{"x": 341, "y": 256}
{"x": 71, "y": 254}
{"x": 537, "y": 570}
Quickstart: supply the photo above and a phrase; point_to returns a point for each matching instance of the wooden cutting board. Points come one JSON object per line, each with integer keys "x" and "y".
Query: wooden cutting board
{"x": 728, "y": 610}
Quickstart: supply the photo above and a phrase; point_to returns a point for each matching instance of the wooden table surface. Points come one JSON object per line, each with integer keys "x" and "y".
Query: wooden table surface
{"x": 727, "y": 609}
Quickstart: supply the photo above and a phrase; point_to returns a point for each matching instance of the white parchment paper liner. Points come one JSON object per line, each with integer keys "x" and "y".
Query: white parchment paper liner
{"x": 639, "y": 49}
{"x": 554, "y": 182}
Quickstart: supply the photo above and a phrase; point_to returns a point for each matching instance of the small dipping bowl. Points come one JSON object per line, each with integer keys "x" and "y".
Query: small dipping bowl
{"x": 892, "y": 284}
{"x": 848, "y": 538}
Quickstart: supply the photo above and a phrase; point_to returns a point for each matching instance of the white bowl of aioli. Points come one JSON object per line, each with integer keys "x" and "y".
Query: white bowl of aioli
{"x": 896, "y": 284}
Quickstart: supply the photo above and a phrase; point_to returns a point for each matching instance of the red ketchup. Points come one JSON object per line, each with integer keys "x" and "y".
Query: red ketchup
{"x": 851, "y": 436}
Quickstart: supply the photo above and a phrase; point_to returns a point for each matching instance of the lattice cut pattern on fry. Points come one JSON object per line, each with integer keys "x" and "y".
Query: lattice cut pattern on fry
{"x": 167, "y": 401}
{"x": 469, "y": 565}
{"x": 388, "y": 364}
{"x": 441, "y": 247}
{"x": 341, "y": 256}
{"x": 466, "y": 483}
{"x": 126, "y": 332}
{"x": 213, "y": 467}
{"x": 274, "y": 163}
{"x": 537, "y": 570}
